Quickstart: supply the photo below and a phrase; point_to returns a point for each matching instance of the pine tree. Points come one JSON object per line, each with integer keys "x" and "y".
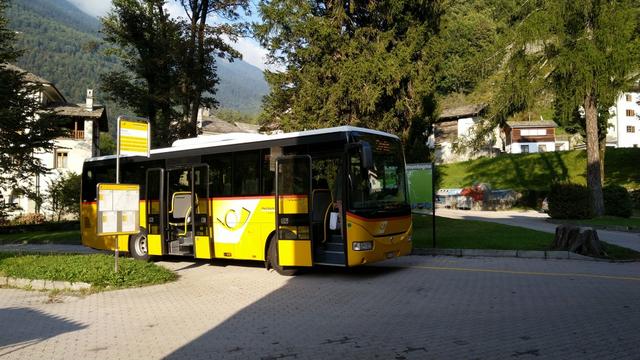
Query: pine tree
{"x": 26, "y": 126}
{"x": 352, "y": 62}
{"x": 586, "y": 52}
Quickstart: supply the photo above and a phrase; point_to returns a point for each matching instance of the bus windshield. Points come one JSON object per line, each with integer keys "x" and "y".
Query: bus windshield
{"x": 383, "y": 186}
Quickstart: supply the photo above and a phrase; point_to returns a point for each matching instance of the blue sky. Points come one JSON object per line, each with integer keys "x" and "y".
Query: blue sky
{"x": 251, "y": 51}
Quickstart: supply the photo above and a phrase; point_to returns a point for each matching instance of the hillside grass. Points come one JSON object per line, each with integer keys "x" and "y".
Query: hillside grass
{"x": 538, "y": 171}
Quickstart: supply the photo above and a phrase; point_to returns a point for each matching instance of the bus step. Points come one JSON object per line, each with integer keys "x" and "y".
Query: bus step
{"x": 334, "y": 246}
{"x": 329, "y": 257}
{"x": 336, "y": 238}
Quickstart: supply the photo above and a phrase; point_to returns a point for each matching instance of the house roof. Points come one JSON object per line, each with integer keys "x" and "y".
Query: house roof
{"x": 48, "y": 86}
{"x": 216, "y": 126}
{"x": 97, "y": 113}
{"x": 462, "y": 111}
{"x": 252, "y": 128}
{"x": 27, "y": 75}
{"x": 532, "y": 124}
{"x": 64, "y": 108}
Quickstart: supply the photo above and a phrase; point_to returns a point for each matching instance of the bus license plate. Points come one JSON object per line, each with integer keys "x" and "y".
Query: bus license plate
{"x": 391, "y": 254}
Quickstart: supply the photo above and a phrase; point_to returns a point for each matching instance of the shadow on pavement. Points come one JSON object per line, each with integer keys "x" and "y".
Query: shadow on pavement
{"x": 312, "y": 313}
{"x": 22, "y": 327}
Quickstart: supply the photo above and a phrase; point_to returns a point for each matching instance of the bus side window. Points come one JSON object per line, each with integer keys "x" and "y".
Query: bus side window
{"x": 268, "y": 174}
{"x": 219, "y": 175}
{"x": 247, "y": 173}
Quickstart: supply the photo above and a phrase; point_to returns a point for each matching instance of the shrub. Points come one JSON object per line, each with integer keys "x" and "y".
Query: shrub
{"x": 29, "y": 219}
{"x": 635, "y": 198}
{"x": 569, "y": 201}
{"x": 617, "y": 201}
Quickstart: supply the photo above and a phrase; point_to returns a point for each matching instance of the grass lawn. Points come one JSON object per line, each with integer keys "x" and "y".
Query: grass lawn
{"x": 538, "y": 171}
{"x": 42, "y": 237}
{"x": 469, "y": 234}
{"x": 605, "y": 221}
{"x": 96, "y": 270}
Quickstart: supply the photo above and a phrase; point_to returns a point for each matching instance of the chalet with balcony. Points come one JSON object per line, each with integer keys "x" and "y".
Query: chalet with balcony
{"x": 531, "y": 136}
{"x": 84, "y": 123}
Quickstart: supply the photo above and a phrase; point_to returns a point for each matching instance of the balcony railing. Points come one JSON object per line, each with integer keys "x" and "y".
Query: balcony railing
{"x": 75, "y": 134}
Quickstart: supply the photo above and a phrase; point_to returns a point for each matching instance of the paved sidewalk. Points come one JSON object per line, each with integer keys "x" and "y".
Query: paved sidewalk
{"x": 49, "y": 248}
{"x": 537, "y": 221}
{"x": 408, "y": 308}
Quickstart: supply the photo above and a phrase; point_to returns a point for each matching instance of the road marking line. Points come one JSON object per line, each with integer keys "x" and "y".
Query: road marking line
{"x": 533, "y": 273}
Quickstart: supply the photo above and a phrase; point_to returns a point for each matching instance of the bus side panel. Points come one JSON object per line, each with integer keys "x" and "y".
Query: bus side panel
{"x": 391, "y": 238}
{"x": 241, "y": 226}
{"x": 88, "y": 225}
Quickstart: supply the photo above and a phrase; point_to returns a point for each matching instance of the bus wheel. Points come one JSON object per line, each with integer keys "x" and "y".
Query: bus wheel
{"x": 139, "y": 246}
{"x": 275, "y": 263}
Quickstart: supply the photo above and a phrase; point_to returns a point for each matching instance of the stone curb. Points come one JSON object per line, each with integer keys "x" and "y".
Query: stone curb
{"x": 36, "y": 284}
{"x": 525, "y": 254}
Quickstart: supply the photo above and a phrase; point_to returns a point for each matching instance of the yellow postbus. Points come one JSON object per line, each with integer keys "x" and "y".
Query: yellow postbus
{"x": 334, "y": 196}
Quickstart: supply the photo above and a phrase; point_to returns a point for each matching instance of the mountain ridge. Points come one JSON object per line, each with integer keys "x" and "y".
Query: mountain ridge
{"x": 62, "y": 45}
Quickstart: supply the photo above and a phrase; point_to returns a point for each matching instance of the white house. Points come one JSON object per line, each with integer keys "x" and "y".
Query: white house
{"x": 84, "y": 122}
{"x": 624, "y": 123}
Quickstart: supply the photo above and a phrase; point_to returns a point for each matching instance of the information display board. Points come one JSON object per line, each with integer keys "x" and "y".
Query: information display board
{"x": 420, "y": 178}
{"x": 118, "y": 209}
{"x": 133, "y": 136}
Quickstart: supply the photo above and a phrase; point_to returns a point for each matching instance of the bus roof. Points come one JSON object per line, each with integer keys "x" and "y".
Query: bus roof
{"x": 211, "y": 141}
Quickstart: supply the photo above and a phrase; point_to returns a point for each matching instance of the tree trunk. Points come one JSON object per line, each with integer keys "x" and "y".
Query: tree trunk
{"x": 580, "y": 241}
{"x": 603, "y": 150}
{"x": 594, "y": 180}
{"x": 200, "y": 53}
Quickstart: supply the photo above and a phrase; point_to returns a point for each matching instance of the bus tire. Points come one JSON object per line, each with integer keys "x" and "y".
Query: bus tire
{"x": 139, "y": 246}
{"x": 275, "y": 263}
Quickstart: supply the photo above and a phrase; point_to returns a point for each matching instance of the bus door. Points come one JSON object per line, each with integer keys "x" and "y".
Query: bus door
{"x": 293, "y": 218}
{"x": 155, "y": 205}
{"x": 187, "y": 211}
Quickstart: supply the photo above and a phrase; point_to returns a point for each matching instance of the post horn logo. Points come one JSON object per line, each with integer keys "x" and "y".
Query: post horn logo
{"x": 234, "y": 221}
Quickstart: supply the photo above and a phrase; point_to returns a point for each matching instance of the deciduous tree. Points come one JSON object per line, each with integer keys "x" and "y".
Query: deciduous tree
{"x": 204, "y": 41}
{"x": 147, "y": 42}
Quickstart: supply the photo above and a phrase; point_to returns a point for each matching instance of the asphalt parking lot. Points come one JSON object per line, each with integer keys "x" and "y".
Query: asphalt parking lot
{"x": 408, "y": 308}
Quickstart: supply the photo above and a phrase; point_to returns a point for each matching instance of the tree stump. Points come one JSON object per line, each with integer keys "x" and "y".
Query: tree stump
{"x": 581, "y": 241}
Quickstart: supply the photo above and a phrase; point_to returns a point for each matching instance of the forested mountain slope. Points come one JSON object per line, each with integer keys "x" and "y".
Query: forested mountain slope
{"x": 62, "y": 45}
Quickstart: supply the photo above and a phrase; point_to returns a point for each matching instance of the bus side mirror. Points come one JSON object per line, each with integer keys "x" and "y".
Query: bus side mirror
{"x": 366, "y": 156}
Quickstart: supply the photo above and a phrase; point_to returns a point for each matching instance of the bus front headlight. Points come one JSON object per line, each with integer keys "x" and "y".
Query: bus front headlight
{"x": 362, "y": 245}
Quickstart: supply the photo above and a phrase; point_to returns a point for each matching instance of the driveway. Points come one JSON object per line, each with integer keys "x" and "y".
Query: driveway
{"x": 408, "y": 308}
{"x": 537, "y": 221}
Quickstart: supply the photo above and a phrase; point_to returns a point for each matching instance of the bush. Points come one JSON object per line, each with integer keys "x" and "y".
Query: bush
{"x": 635, "y": 198}
{"x": 570, "y": 201}
{"x": 617, "y": 201}
{"x": 29, "y": 219}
